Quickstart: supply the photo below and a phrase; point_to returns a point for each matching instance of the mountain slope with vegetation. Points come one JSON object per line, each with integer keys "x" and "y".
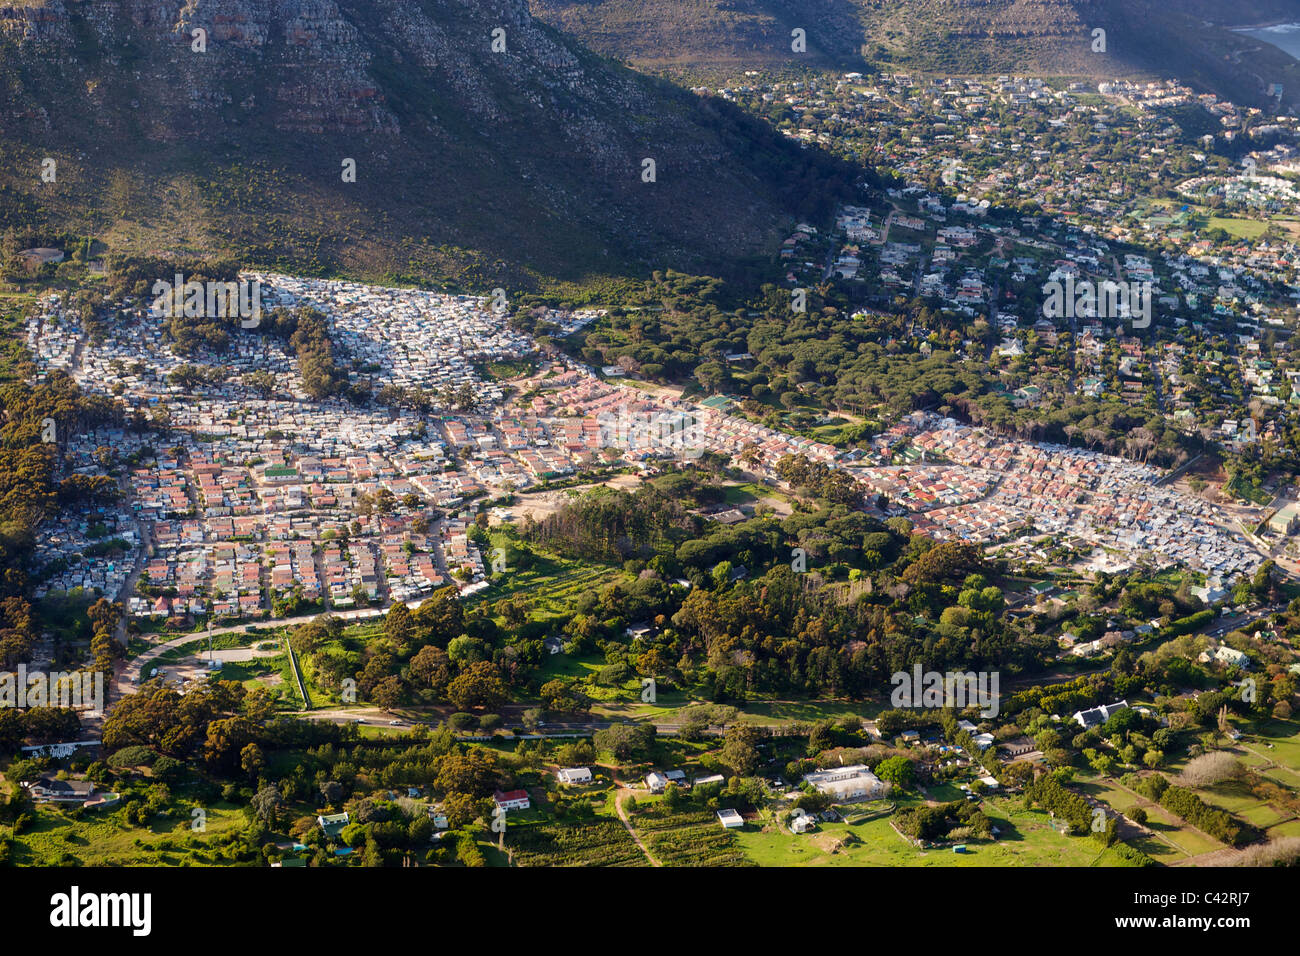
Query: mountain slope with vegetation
{"x": 502, "y": 165}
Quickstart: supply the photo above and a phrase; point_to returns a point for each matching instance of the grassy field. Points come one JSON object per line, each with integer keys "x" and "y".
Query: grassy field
{"x": 550, "y": 584}
{"x": 100, "y": 838}
{"x": 1026, "y": 839}
{"x": 667, "y": 703}
{"x": 1172, "y": 839}
{"x": 1238, "y": 228}
{"x": 1270, "y": 748}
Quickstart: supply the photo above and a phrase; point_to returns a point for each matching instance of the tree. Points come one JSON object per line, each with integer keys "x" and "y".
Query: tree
{"x": 431, "y": 668}
{"x": 897, "y": 770}
{"x": 473, "y": 772}
{"x": 462, "y": 809}
{"x": 625, "y": 741}
{"x": 332, "y": 791}
{"x": 251, "y": 760}
{"x": 1209, "y": 769}
{"x": 266, "y": 804}
{"x": 820, "y": 737}
{"x": 740, "y": 748}
{"x": 389, "y": 693}
{"x": 478, "y": 687}
{"x": 399, "y": 625}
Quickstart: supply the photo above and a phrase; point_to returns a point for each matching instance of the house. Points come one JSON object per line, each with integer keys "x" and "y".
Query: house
{"x": 730, "y": 819}
{"x": 1018, "y": 747}
{"x": 512, "y": 800}
{"x": 802, "y": 823}
{"x": 54, "y": 790}
{"x": 572, "y": 776}
{"x": 656, "y": 781}
{"x": 676, "y": 776}
{"x": 333, "y": 823}
{"x": 1097, "y": 715}
{"x": 439, "y": 818}
{"x": 848, "y": 783}
{"x": 1232, "y": 657}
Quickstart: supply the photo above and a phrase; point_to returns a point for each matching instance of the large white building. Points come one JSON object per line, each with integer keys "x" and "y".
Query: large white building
{"x": 848, "y": 783}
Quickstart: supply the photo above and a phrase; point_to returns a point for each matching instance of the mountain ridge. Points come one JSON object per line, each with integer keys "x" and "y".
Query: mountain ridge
{"x": 486, "y": 166}
{"x": 1144, "y": 38}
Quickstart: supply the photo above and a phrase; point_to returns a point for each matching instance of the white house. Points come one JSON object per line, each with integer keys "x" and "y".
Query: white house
{"x": 512, "y": 800}
{"x": 571, "y": 776}
{"x": 1097, "y": 715}
{"x": 1232, "y": 657}
{"x": 332, "y": 823}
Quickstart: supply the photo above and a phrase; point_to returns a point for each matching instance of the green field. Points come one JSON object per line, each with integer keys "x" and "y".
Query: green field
{"x": 62, "y": 837}
{"x": 550, "y": 584}
{"x": 1172, "y": 839}
{"x": 1026, "y": 839}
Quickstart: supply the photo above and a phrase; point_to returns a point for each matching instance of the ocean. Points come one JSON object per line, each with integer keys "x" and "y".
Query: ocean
{"x": 1284, "y": 36}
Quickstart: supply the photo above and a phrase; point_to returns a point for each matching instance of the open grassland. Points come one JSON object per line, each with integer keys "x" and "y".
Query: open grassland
{"x": 63, "y": 837}
{"x": 1026, "y": 838}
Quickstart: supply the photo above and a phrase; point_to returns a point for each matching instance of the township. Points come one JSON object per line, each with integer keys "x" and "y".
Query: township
{"x": 259, "y": 497}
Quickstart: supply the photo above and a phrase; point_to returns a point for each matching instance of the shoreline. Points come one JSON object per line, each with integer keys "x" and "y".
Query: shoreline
{"x": 1265, "y": 26}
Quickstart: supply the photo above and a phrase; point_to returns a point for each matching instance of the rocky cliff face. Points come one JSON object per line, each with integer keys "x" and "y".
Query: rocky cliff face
{"x": 472, "y": 125}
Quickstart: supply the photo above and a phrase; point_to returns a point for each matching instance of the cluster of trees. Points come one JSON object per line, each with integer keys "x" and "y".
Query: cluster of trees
{"x": 876, "y": 597}
{"x": 423, "y": 400}
{"x": 1048, "y": 792}
{"x": 820, "y": 480}
{"x": 321, "y": 377}
{"x": 1217, "y": 823}
{"x": 29, "y": 492}
{"x": 609, "y": 524}
{"x": 213, "y": 723}
{"x": 434, "y": 654}
{"x": 954, "y": 821}
{"x": 37, "y": 724}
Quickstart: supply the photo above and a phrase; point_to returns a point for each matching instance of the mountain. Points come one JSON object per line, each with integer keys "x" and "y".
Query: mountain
{"x": 1188, "y": 39}
{"x": 513, "y": 165}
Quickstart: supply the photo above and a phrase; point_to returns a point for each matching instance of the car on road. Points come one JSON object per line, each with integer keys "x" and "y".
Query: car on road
{"x": 394, "y": 723}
